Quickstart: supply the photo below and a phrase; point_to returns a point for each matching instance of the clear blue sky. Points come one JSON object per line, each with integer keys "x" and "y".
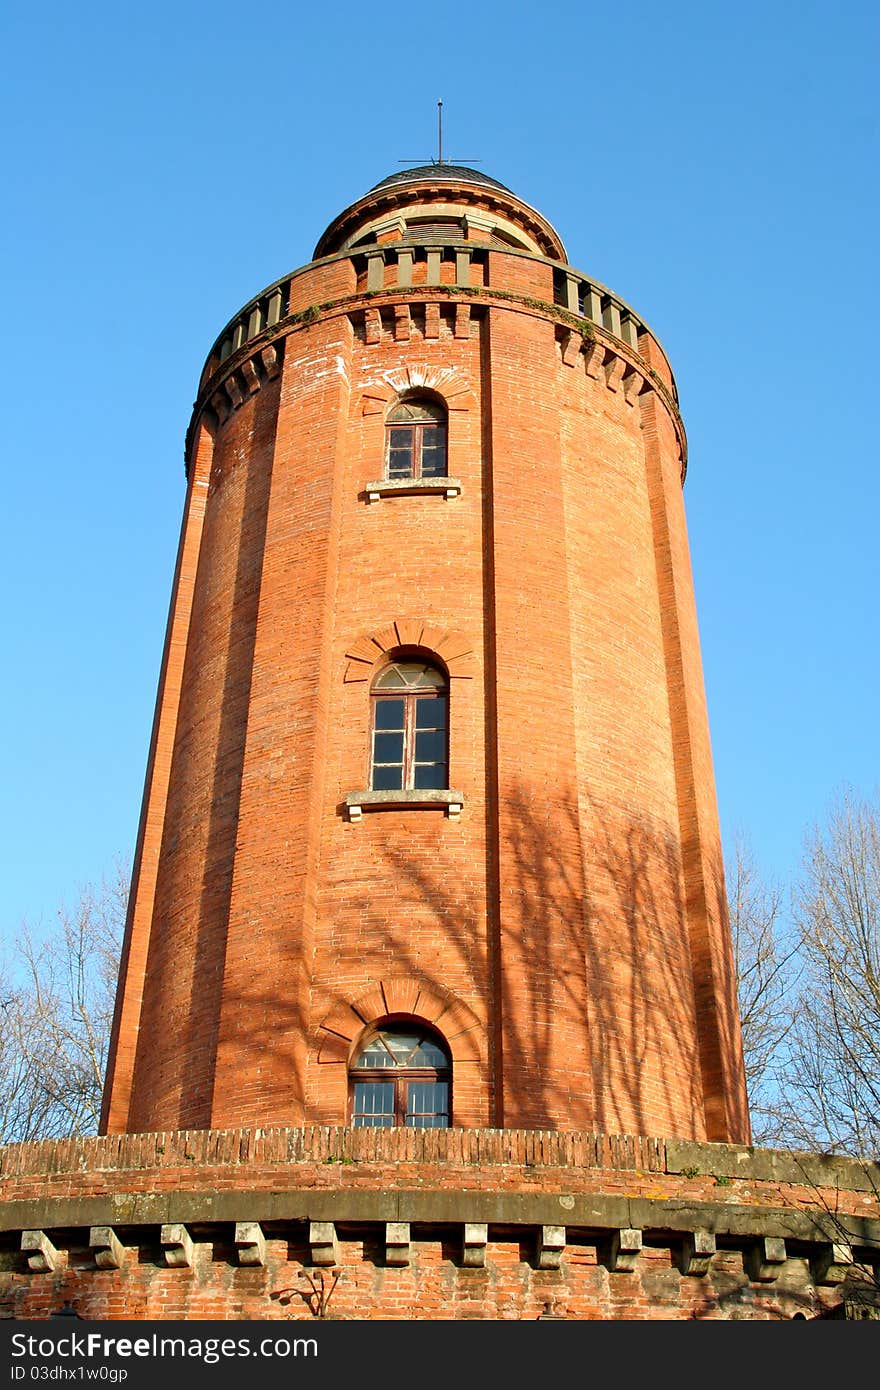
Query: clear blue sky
{"x": 716, "y": 165}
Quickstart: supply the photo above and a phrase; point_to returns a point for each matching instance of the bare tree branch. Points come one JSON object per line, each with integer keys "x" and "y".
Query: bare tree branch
{"x": 56, "y": 1009}
{"x": 767, "y": 974}
{"x": 830, "y": 1082}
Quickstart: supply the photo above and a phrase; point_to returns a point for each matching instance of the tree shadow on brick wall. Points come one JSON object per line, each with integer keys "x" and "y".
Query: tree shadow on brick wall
{"x": 587, "y": 962}
{"x": 187, "y": 1048}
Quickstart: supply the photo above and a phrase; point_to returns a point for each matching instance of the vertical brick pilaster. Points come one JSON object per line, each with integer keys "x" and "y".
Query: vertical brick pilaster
{"x": 539, "y": 850}
{"x": 270, "y": 939}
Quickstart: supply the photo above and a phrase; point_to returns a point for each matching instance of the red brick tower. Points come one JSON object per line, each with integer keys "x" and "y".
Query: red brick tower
{"x": 429, "y": 832}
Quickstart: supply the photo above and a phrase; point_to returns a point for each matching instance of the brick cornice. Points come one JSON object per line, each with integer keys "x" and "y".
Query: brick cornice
{"x": 242, "y": 373}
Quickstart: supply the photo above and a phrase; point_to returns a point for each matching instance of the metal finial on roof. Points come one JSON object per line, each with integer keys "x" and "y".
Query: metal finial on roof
{"x": 460, "y": 159}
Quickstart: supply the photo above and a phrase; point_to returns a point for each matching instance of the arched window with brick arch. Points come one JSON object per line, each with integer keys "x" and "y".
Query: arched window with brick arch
{"x": 401, "y": 1075}
{"x": 409, "y": 727}
{"x": 415, "y": 431}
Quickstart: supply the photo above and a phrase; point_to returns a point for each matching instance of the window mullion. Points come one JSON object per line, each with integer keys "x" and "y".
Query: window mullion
{"x": 409, "y": 742}
{"x": 400, "y": 1100}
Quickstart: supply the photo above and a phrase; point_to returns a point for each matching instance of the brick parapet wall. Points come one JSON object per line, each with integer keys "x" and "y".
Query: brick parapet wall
{"x": 314, "y": 1155}
{"x": 490, "y": 1224}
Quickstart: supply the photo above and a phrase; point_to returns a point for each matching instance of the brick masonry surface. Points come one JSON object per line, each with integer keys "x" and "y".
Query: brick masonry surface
{"x": 489, "y": 1224}
{"x": 566, "y": 932}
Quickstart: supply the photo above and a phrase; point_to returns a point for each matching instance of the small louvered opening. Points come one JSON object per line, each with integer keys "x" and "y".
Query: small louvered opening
{"x": 434, "y": 231}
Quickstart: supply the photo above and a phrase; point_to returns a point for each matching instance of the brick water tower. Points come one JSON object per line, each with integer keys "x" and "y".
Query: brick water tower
{"x": 429, "y": 833}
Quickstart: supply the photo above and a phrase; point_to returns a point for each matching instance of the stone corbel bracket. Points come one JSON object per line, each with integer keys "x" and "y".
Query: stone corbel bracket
{"x": 245, "y": 381}
{"x": 550, "y": 1244}
{"x": 474, "y": 1237}
{"x": 323, "y": 1244}
{"x": 42, "y": 1257}
{"x": 108, "y": 1248}
{"x": 177, "y": 1244}
{"x": 696, "y": 1253}
{"x": 765, "y": 1260}
{"x": 831, "y": 1263}
{"x": 621, "y": 1251}
{"x": 607, "y": 361}
{"x": 602, "y": 361}
{"x": 250, "y": 1243}
{"x": 397, "y": 1244}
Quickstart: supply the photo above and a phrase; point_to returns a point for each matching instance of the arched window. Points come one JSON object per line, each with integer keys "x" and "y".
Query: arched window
{"x": 402, "y": 1076}
{"x": 410, "y": 728}
{"x": 416, "y": 440}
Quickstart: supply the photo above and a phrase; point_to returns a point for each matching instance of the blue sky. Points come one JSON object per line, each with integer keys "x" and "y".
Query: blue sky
{"x": 715, "y": 165}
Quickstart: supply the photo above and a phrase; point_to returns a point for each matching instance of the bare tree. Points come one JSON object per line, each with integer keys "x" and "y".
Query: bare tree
{"x": 809, "y": 987}
{"x": 830, "y": 1083}
{"x": 56, "y": 1008}
{"x": 767, "y": 975}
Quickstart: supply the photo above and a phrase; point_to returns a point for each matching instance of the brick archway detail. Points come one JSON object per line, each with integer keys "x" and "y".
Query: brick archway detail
{"x": 454, "y": 650}
{"x": 447, "y": 382}
{"x": 401, "y": 994}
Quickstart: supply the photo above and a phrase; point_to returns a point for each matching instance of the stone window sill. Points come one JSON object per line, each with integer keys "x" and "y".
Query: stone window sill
{"x": 421, "y": 799}
{"x": 411, "y": 487}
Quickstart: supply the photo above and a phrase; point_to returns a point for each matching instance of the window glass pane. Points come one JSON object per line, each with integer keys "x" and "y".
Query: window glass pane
{"x": 389, "y": 714}
{"x": 434, "y": 453}
{"x": 373, "y": 1103}
{"x": 427, "y": 1105}
{"x": 388, "y": 748}
{"x": 387, "y": 779}
{"x": 390, "y": 679}
{"x": 430, "y": 747}
{"x": 376, "y": 1056}
{"x": 418, "y": 675}
{"x": 430, "y": 712}
{"x": 430, "y": 775}
{"x": 412, "y": 675}
{"x": 400, "y": 453}
{"x": 426, "y": 1096}
{"x": 393, "y": 1048}
{"x": 417, "y": 410}
{"x": 401, "y": 1046}
{"x": 429, "y": 1054}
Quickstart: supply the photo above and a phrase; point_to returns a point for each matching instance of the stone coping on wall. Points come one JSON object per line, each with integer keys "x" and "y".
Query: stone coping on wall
{"x": 282, "y": 1207}
{"x": 527, "y": 1150}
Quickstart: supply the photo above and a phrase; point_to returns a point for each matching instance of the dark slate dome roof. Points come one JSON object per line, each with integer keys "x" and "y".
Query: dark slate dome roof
{"x": 426, "y": 172}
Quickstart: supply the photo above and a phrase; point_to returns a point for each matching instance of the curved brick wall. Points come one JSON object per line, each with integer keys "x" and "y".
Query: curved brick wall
{"x": 567, "y": 931}
{"x": 494, "y": 1224}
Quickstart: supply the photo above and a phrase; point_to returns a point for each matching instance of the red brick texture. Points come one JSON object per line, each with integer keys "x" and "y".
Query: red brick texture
{"x": 570, "y": 924}
{"x": 575, "y": 1191}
